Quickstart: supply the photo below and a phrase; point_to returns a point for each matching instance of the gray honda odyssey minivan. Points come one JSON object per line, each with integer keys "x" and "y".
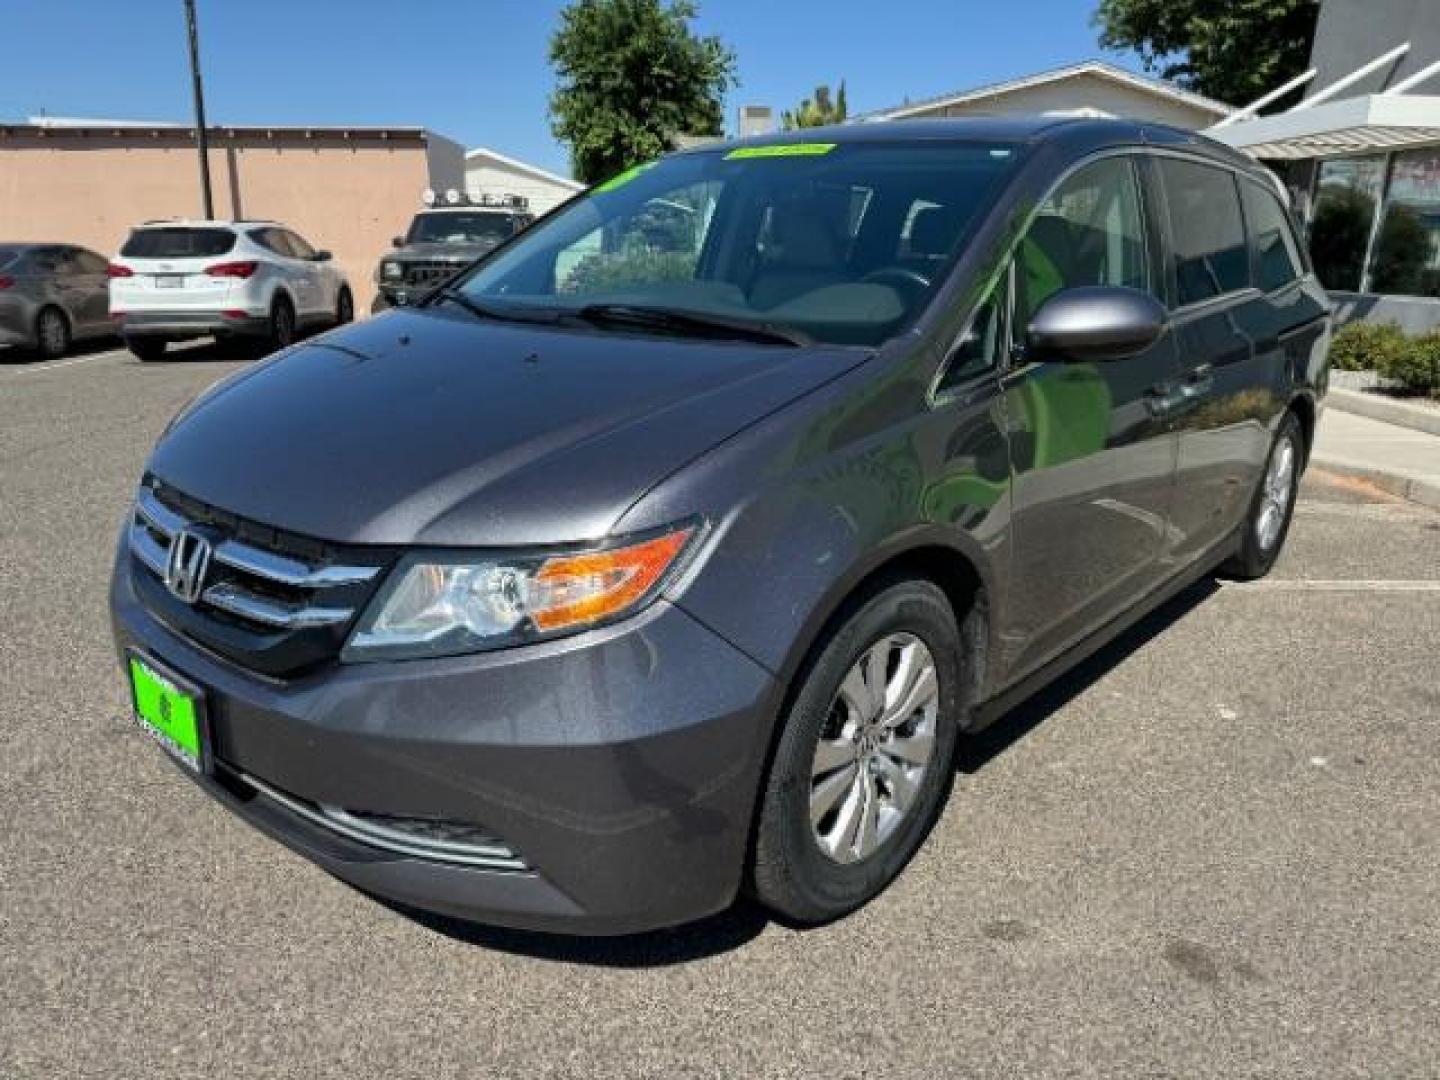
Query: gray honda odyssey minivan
{"x": 669, "y": 551}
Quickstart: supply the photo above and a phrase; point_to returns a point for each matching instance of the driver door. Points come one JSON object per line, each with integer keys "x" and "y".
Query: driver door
{"x": 1092, "y": 455}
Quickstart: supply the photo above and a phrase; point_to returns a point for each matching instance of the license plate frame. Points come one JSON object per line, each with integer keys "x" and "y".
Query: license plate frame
{"x": 180, "y": 708}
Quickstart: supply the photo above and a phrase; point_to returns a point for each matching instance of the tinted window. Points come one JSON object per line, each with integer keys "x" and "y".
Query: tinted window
{"x": 462, "y": 226}
{"x": 1209, "y": 239}
{"x": 87, "y": 262}
{"x": 298, "y": 247}
{"x": 844, "y": 243}
{"x": 979, "y": 350}
{"x": 1277, "y": 258}
{"x": 9, "y": 254}
{"x": 45, "y": 260}
{"x": 177, "y": 243}
{"x": 1091, "y": 231}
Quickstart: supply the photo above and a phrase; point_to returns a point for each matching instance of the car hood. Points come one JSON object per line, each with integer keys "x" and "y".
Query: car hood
{"x": 459, "y": 253}
{"x": 428, "y": 427}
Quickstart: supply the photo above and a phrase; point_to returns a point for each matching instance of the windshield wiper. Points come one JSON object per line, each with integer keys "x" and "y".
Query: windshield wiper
{"x": 697, "y": 323}
{"x": 485, "y": 311}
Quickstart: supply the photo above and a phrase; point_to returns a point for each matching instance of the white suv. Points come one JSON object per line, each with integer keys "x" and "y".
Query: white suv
{"x": 254, "y": 279}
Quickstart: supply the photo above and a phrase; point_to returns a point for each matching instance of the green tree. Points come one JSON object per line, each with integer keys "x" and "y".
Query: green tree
{"x": 1231, "y": 50}
{"x": 632, "y": 76}
{"x": 819, "y": 112}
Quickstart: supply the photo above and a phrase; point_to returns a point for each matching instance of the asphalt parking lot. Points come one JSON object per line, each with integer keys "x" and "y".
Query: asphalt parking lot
{"x": 1212, "y": 851}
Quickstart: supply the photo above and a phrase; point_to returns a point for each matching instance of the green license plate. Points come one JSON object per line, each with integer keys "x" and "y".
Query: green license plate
{"x": 170, "y": 712}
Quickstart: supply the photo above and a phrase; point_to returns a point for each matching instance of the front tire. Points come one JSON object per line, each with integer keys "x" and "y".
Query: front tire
{"x": 147, "y": 349}
{"x": 344, "y": 307}
{"x": 52, "y": 333}
{"x": 1272, "y": 507}
{"x": 865, "y": 757}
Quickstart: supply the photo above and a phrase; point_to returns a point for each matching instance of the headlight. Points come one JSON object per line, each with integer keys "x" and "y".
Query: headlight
{"x": 443, "y": 604}
{"x": 390, "y": 270}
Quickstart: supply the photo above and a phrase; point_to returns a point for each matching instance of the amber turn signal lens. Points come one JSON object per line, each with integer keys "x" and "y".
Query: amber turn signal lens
{"x": 573, "y": 590}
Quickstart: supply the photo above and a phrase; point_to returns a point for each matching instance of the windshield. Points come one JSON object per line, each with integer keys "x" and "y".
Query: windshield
{"x": 460, "y": 227}
{"x": 177, "y": 243}
{"x": 839, "y": 243}
{"x": 8, "y": 254}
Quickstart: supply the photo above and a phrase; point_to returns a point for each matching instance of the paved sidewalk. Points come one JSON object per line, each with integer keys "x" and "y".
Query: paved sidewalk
{"x": 1399, "y": 460}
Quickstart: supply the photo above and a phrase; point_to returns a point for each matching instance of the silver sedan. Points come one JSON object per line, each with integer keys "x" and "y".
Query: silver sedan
{"x": 52, "y": 295}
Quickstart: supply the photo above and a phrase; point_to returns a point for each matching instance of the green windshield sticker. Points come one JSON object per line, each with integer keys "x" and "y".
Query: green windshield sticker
{"x": 623, "y": 178}
{"x": 804, "y": 149}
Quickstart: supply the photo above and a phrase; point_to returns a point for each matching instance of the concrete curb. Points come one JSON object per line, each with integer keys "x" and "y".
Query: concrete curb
{"x": 1414, "y": 417}
{"x": 1410, "y": 488}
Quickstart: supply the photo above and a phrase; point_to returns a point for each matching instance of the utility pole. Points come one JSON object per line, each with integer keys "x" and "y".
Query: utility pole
{"x": 202, "y": 139}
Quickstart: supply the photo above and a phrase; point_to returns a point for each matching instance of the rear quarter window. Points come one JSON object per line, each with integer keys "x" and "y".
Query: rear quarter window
{"x": 1207, "y": 232}
{"x": 178, "y": 243}
{"x": 1277, "y": 255}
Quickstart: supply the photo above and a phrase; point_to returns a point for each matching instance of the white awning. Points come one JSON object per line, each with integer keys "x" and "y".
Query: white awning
{"x": 1371, "y": 123}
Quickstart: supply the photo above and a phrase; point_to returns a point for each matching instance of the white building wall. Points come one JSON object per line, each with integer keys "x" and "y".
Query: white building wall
{"x": 486, "y": 176}
{"x": 1084, "y": 95}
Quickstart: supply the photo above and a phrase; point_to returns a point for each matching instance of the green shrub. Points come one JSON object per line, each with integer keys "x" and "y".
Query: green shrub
{"x": 1366, "y": 346}
{"x": 598, "y": 273}
{"x": 1415, "y": 366}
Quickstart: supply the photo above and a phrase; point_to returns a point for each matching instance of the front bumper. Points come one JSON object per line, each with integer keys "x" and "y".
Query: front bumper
{"x": 621, "y": 766}
{"x": 178, "y": 324}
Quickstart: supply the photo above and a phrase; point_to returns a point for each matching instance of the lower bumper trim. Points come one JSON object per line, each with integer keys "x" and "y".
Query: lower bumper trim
{"x": 488, "y": 856}
{"x": 182, "y": 323}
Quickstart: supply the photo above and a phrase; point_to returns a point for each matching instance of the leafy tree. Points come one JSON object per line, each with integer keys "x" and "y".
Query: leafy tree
{"x": 1231, "y": 50}
{"x": 632, "y": 76}
{"x": 819, "y": 112}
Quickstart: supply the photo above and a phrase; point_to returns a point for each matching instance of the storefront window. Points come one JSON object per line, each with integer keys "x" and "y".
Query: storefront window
{"x": 1344, "y": 211}
{"x": 1407, "y": 254}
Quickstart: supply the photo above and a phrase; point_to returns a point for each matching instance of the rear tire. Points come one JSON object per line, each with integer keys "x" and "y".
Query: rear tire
{"x": 147, "y": 349}
{"x": 848, "y": 799}
{"x": 1272, "y": 507}
{"x": 282, "y": 325}
{"x": 52, "y": 333}
{"x": 344, "y": 307}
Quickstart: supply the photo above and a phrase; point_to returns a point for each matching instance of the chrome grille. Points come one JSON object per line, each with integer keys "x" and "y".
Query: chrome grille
{"x": 256, "y": 593}
{"x": 430, "y": 271}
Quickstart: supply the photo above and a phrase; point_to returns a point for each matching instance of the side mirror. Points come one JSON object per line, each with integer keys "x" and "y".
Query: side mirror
{"x": 1095, "y": 322}
{"x": 397, "y": 241}
{"x": 323, "y": 256}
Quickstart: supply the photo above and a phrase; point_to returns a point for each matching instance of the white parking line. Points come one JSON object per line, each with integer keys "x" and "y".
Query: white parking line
{"x": 40, "y": 369}
{"x": 1421, "y": 585}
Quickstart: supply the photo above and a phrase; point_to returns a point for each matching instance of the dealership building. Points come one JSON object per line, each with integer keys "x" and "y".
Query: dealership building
{"x": 1360, "y": 153}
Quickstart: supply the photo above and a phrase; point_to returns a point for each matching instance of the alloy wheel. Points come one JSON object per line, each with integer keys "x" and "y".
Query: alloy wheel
{"x": 284, "y": 323}
{"x": 876, "y": 743}
{"x": 52, "y": 332}
{"x": 1275, "y": 494}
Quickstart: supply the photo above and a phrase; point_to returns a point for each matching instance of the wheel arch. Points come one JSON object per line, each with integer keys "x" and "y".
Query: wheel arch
{"x": 962, "y": 575}
{"x": 51, "y": 304}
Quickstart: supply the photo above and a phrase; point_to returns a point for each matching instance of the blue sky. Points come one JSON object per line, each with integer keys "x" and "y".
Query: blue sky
{"x": 476, "y": 70}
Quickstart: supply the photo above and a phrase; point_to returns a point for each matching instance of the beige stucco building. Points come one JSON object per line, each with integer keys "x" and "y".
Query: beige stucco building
{"x": 346, "y": 189}
{"x": 1092, "y": 88}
